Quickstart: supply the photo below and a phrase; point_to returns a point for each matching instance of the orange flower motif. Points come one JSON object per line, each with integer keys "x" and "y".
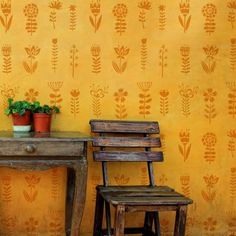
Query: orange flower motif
{"x": 209, "y": 10}
{"x": 120, "y": 10}
{"x": 144, "y": 86}
{"x": 232, "y": 4}
{"x": 209, "y": 139}
{"x": 184, "y": 137}
{"x": 162, "y": 7}
{"x": 210, "y": 224}
{"x": 95, "y": 8}
{"x": 31, "y": 95}
{"x": 6, "y": 8}
{"x": 211, "y": 180}
{"x": 120, "y": 95}
{"x": 121, "y": 52}
{"x": 184, "y": 180}
{"x": 95, "y": 50}
{"x": 72, "y": 7}
{"x": 32, "y": 180}
{"x": 32, "y": 51}
{"x": 164, "y": 93}
{"x": 210, "y": 95}
{"x": 184, "y": 7}
{"x": 232, "y": 133}
{"x": 56, "y": 4}
{"x": 185, "y": 50}
{"x": 6, "y": 51}
{"x": 211, "y": 51}
{"x": 31, "y": 225}
{"x": 145, "y": 4}
{"x": 31, "y": 10}
{"x": 75, "y": 92}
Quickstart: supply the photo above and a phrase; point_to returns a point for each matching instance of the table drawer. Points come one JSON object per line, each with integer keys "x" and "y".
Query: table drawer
{"x": 41, "y": 148}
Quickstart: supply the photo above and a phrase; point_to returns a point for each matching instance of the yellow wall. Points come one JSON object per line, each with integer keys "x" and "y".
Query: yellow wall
{"x": 165, "y": 60}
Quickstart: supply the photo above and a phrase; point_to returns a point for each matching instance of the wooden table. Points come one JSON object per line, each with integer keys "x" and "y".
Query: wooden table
{"x": 41, "y": 151}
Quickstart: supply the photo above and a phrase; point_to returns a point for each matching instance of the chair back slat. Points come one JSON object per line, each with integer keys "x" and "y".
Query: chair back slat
{"x": 122, "y": 156}
{"x": 126, "y": 141}
{"x": 113, "y": 126}
{"x": 130, "y": 142}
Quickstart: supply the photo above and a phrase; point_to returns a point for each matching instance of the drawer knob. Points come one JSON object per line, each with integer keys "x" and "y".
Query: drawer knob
{"x": 30, "y": 148}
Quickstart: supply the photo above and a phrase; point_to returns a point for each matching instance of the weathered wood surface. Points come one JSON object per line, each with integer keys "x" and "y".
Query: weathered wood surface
{"x": 43, "y": 151}
{"x": 127, "y": 156}
{"x": 126, "y": 142}
{"x": 113, "y": 126}
{"x": 133, "y": 188}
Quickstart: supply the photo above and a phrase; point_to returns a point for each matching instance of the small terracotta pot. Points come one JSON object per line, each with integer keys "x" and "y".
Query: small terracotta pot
{"x": 42, "y": 122}
{"x": 21, "y": 120}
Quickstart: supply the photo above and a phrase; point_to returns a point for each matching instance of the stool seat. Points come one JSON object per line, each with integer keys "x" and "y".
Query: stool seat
{"x": 140, "y": 195}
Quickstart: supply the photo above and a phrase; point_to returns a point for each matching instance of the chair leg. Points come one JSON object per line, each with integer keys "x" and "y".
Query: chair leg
{"x": 108, "y": 218}
{"x": 119, "y": 224}
{"x": 97, "y": 227}
{"x": 148, "y": 221}
{"x": 180, "y": 221}
{"x": 157, "y": 224}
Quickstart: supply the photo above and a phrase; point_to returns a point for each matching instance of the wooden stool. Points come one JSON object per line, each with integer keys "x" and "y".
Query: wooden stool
{"x": 130, "y": 141}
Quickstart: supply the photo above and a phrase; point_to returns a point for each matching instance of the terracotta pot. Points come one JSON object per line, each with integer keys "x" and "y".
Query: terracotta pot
{"x": 21, "y": 120}
{"x": 42, "y": 122}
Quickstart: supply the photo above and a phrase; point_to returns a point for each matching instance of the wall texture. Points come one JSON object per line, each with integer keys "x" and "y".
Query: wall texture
{"x": 165, "y": 60}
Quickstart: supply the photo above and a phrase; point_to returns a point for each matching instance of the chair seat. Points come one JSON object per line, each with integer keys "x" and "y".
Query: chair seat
{"x": 142, "y": 195}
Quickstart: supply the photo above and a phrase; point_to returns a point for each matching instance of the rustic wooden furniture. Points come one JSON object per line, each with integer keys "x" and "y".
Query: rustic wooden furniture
{"x": 118, "y": 141}
{"x": 41, "y": 151}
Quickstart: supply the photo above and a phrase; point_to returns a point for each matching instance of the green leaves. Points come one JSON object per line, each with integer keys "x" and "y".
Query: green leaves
{"x": 22, "y": 106}
{"x": 38, "y": 108}
{"x": 17, "y": 107}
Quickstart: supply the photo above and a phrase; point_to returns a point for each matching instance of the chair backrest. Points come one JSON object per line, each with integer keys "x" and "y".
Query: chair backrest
{"x": 128, "y": 141}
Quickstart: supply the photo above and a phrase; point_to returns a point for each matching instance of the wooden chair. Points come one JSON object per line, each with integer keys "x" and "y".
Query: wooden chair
{"x": 131, "y": 141}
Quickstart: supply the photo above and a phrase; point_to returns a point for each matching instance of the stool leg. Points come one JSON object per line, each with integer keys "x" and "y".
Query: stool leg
{"x": 157, "y": 224}
{"x": 108, "y": 218}
{"x": 97, "y": 227}
{"x": 119, "y": 224}
{"x": 148, "y": 221}
{"x": 180, "y": 221}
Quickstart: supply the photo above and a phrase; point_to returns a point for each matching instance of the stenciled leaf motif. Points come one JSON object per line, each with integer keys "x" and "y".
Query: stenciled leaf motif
{"x": 123, "y": 66}
{"x": 99, "y": 22}
{"x": 181, "y": 21}
{"x": 205, "y": 196}
{"x": 205, "y": 67}
{"x": 2, "y": 21}
{"x": 188, "y": 23}
{"x": 181, "y": 149}
{"x": 34, "y": 66}
{"x": 188, "y": 151}
{"x": 212, "y": 68}
{"x": 116, "y": 67}
{"x": 91, "y": 21}
{"x": 26, "y": 66}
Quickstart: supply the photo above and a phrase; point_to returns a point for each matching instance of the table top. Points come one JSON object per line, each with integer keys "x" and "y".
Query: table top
{"x": 52, "y": 136}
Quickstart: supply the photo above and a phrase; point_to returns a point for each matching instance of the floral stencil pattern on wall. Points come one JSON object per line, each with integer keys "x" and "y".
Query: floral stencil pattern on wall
{"x": 55, "y": 5}
{"x": 121, "y": 64}
{"x": 97, "y": 94}
{"x": 185, "y": 146}
{"x": 31, "y": 64}
{"x": 7, "y": 61}
{"x": 120, "y": 11}
{"x": 144, "y": 6}
{"x": 162, "y": 17}
{"x": 209, "y": 64}
{"x": 184, "y": 18}
{"x": 232, "y": 12}
{"x": 120, "y": 99}
{"x": 6, "y": 19}
{"x": 31, "y": 13}
{"x": 96, "y": 18}
{"x": 209, "y": 12}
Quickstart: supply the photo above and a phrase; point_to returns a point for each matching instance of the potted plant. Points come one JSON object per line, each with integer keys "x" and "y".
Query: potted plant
{"x": 42, "y": 116}
{"x": 21, "y": 114}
